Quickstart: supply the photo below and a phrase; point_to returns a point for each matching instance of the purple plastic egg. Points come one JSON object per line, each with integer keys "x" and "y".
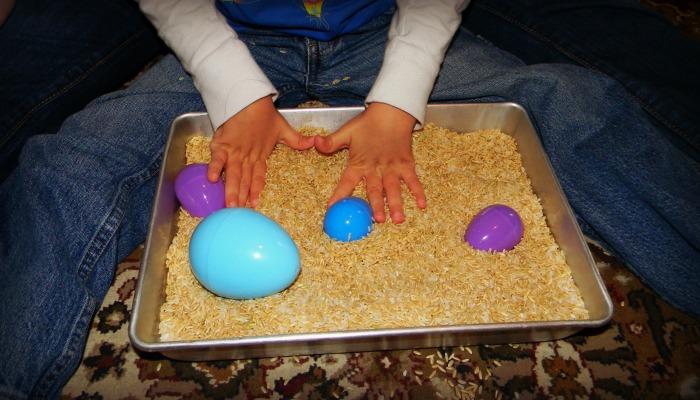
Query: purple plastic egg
{"x": 196, "y": 194}
{"x": 495, "y": 228}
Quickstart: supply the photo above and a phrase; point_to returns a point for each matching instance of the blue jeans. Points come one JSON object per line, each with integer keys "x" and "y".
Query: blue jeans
{"x": 56, "y": 56}
{"x": 79, "y": 200}
{"x": 620, "y": 38}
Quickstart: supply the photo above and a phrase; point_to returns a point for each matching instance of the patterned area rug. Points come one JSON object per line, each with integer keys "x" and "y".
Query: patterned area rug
{"x": 649, "y": 350}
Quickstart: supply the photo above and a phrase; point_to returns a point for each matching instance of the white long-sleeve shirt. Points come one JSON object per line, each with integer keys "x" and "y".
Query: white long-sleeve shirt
{"x": 229, "y": 79}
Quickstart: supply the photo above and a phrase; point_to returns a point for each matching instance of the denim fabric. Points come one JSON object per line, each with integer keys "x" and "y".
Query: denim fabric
{"x": 620, "y": 38}
{"x": 56, "y": 56}
{"x": 337, "y": 72}
{"x": 77, "y": 203}
{"x": 80, "y": 199}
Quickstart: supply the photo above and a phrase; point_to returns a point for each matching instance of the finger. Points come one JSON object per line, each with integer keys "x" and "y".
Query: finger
{"x": 392, "y": 188}
{"x": 295, "y": 140}
{"x": 258, "y": 183}
{"x": 375, "y": 196}
{"x": 246, "y": 177}
{"x": 216, "y": 165}
{"x": 333, "y": 142}
{"x": 347, "y": 184}
{"x": 233, "y": 181}
{"x": 415, "y": 187}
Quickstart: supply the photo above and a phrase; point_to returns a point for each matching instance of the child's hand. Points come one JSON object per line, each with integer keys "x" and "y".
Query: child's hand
{"x": 379, "y": 140}
{"x": 241, "y": 147}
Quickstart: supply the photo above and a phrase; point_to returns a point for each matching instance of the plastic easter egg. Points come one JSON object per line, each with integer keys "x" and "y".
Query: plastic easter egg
{"x": 495, "y": 228}
{"x": 239, "y": 253}
{"x": 196, "y": 194}
{"x": 348, "y": 219}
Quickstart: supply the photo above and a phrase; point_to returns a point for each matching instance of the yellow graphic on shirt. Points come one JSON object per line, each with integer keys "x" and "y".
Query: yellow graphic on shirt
{"x": 313, "y": 7}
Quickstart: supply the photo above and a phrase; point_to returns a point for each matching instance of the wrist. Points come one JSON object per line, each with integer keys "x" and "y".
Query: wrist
{"x": 392, "y": 115}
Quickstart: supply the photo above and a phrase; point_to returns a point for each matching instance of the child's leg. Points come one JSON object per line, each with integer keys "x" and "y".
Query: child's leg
{"x": 632, "y": 187}
{"x": 640, "y": 49}
{"x": 78, "y": 202}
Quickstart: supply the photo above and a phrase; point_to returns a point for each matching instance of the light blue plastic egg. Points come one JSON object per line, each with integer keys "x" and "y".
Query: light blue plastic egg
{"x": 239, "y": 253}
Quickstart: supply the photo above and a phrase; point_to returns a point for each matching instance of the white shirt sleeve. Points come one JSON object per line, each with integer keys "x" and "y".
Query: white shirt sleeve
{"x": 223, "y": 70}
{"x": 419, "y": 34}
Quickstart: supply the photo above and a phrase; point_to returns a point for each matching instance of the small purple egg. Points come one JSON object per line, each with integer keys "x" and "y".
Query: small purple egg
{"x": 495, "y": 228}
{"x": 196, "y": 194}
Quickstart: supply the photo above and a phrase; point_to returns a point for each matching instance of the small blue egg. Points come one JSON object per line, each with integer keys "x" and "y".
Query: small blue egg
{"x": 348, "y": 219}
{"x": 239, "y": 253}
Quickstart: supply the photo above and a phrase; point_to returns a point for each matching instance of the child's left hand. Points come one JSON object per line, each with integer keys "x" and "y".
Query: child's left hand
{"x": 379, "y": 140}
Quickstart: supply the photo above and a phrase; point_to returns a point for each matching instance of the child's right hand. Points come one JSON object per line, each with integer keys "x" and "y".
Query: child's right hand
{"x": 380, "y": 153}
{"x": 241, "y": 146}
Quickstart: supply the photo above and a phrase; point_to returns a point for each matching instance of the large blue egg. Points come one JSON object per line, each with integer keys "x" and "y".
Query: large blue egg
{"x": 241, "y": 254}
{"x": 349, "y": 219}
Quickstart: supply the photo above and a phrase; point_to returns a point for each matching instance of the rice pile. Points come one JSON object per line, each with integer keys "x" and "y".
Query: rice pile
{"x": 419, "y": 273}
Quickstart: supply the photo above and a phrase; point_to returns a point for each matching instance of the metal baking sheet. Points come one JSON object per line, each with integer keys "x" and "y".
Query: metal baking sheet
{"x": 509, "y": 117}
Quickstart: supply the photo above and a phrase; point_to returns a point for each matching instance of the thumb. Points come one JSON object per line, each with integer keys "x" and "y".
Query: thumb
{"x": 295, "y": 140}
{"x": 333, "y": 142}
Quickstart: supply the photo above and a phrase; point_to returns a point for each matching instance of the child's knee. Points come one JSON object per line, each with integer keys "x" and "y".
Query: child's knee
{"x": 578, "y": 84}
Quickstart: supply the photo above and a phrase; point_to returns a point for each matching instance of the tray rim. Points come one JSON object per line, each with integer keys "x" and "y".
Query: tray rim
{"x": 471, "y": 329}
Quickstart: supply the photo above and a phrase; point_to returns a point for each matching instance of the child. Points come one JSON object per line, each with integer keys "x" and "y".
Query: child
{"x": 241, "y": 104}
{"x": 80, "y": 200}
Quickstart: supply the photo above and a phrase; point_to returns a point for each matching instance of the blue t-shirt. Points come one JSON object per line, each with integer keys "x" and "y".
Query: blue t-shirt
{"x": 317, "y": 19}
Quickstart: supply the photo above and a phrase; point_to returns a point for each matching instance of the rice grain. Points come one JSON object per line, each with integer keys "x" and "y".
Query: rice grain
{"x": 416, "y": 274}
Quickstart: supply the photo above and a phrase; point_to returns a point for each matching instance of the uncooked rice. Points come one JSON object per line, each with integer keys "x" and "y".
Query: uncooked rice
{"x": 416, "y": 274}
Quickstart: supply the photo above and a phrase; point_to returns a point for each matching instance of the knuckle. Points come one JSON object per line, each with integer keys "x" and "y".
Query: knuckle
{"x": 405, "y": 164}
{"x": 374, "y": 187}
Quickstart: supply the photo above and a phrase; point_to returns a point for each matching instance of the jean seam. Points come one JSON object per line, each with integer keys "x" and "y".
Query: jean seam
{"x": 308, "y": 65}
{"x": 48, "y": 381}
{"x": 107, "y": 229}
{"x": 70, "y": 85}
{"x": 96, "y": 247}
{"x": 588, "y": 64}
